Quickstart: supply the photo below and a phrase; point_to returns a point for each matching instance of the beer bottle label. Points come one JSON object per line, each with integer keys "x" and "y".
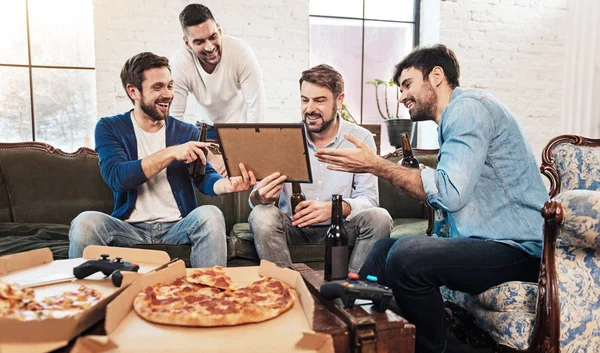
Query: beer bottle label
{"x": 339, "y": 265}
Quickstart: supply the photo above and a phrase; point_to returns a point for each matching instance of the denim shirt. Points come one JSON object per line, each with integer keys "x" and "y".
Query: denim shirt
{"x": 487, "y": 182}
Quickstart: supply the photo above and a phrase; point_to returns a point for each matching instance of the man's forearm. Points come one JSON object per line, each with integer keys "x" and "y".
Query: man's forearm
{"x": 156, "y": 162}
{"x": 402, "y": 178}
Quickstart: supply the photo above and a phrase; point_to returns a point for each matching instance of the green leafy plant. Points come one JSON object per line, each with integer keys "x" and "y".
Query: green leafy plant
{"x": 345, "y": 113}
{"x": 376, "y": 83}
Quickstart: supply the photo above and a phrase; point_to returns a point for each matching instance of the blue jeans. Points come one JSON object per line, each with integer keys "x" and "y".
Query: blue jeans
{"x": 273, "y": 231}
{"x": 203, "y": 228}
{"x": 415, "y": 267}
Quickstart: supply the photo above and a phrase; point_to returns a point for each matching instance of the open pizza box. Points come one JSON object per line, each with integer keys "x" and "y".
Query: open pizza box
{"x": 290, "y": 332}
{"x": 37, "y": 268}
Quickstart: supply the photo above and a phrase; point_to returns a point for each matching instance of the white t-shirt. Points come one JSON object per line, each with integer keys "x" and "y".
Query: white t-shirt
{"x": 155, "y": 201}
{"x": 233, "y": 93}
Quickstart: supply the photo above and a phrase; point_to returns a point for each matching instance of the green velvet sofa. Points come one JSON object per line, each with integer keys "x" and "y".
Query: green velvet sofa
{"x": 42, "y": 189}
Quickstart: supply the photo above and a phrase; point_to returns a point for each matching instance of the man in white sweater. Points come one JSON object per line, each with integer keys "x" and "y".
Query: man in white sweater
{"x": 220, "y": 71}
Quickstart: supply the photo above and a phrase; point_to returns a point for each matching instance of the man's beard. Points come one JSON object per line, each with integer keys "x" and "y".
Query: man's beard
{"x": 326, "y": 123}
{"x": 152, "y": 112}
{"x": 205, "y": 60}
{"x": 425, "y": 108}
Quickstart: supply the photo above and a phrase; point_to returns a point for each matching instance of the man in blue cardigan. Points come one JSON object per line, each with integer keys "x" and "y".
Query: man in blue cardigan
{"x": 144, "y": 156}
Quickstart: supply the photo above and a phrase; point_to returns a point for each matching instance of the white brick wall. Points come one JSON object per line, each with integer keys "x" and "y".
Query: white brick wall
{"x": 514, "y": 49}
{"x": 277, "y": 31}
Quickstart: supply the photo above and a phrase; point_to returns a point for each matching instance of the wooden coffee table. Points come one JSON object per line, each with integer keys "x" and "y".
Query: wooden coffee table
{"x": 361, "y": 328}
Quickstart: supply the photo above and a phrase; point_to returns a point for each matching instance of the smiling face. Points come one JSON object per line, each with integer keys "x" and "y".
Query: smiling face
{"x": 318, "y": 107}
{"x": 418, "y": 95}
{"x": 205, "y": 41}
{"x": 157, "y": 93}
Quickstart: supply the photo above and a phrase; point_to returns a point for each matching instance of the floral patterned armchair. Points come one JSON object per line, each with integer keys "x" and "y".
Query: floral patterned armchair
{"x": 561, "y": 313}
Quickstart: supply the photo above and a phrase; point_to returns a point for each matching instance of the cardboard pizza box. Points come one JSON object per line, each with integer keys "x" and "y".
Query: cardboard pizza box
{"x": 37, "y": 266}
{"x": 289, "y": 332}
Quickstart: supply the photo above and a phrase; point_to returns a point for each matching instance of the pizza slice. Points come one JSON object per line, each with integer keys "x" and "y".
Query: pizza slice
{"x": 213, "y": 277}
{"x": 10, "y": 290}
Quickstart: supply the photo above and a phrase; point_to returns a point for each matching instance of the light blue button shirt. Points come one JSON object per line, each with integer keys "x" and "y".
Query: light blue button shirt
{"x": 360, "y": 191}
{"x": 487, "y": 181}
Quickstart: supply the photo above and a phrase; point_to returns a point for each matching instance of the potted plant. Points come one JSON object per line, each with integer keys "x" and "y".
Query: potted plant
{"x": 395, "y": 123}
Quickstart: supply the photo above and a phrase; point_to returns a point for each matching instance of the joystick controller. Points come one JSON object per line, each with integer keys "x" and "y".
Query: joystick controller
{"x": 108, "y": 267}
{"x": 352, "y": 288}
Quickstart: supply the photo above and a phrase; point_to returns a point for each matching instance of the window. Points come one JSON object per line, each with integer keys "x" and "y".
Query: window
{"x": 48, "y": 86}
{"x": 364, "y": 40}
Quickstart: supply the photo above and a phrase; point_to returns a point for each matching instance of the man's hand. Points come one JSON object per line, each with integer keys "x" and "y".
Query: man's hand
{"x": 216, "y": 160}
{"x": 235, "y": 184}
{"x": 354, "y": 160}
{"x": 268, "y": 189}
{"x": 186, "y": 153}
{"x": 189, "y": 151}
{"x": 311, "y": 212}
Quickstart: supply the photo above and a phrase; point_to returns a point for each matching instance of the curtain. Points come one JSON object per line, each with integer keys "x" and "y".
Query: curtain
{"x": 581, "y": 104}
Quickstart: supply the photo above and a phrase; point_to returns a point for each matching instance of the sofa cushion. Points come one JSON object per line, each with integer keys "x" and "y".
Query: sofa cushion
{"x": 19, "y": 237}
{"x": 408, "y": 226}
{"x": 506, "y": 311}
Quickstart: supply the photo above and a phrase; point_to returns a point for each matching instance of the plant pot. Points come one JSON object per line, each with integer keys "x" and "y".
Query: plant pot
{"x": 395, "y": 128}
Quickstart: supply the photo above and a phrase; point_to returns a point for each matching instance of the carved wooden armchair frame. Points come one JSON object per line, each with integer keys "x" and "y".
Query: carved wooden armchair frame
{"x": 546, "y": 332}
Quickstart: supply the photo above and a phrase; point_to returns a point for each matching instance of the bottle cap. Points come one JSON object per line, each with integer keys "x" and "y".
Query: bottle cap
{"x": 352, "y": 276}
{"x": 372, "y": 278}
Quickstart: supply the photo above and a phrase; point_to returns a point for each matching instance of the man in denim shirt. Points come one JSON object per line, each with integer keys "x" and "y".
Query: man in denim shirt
{"x": 487, "y": 185}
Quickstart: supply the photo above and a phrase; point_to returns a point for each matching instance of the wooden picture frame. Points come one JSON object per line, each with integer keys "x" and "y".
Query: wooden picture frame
{"x": 265, "y": 148}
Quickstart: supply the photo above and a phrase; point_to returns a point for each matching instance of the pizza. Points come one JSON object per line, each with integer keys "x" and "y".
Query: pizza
{"x": 17, "y": 302}
{"x": 212, "y": 276}
{"x": 184, "y": 302}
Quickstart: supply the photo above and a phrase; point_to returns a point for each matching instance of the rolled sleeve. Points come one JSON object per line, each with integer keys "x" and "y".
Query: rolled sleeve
{"x": 428, "y": 180}
{"x": 357, "y": 206}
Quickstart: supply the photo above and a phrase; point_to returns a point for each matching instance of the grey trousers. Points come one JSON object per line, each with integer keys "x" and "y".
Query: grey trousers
{"x": 273, "y": 232}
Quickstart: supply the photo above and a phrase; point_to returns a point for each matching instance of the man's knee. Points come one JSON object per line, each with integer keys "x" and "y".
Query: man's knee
{"x": 207, "y": 214}
{"x": 264, "y": 217}
{"x": 86, "y": 224}
{"x": 409, "y": 255}
{"x": 377, "y": 219}
{"x": 84, "y": 231}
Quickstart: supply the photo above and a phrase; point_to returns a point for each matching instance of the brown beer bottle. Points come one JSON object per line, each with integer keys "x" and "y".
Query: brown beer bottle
{"x": 197, "y": 168}
{"x": 297, "y": 196}
{"x": 408, "y": 160}
{"x": 336, "y": 243}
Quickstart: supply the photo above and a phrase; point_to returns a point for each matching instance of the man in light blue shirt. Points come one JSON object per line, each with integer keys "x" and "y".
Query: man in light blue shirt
{"x": 486, "y": 184}
{"x": 322, "y": 94}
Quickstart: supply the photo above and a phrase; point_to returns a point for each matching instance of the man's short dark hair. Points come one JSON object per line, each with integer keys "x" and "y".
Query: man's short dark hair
{"x": 194, "y": 14}
{"x": 132, "y": 72}
{"x": 324, "y": 75}
{"x": 426, "y": 58}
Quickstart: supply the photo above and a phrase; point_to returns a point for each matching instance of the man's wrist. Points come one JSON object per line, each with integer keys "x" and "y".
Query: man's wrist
{"x": 377, "y": 167}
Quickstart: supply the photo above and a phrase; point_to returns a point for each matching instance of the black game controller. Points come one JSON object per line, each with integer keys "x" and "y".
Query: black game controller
{"x": 108, "y": 267}
{"x": 350, "y": 289}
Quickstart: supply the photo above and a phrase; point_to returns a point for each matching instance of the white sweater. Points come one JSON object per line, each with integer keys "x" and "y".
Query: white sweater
{"x": 233, "y": 93}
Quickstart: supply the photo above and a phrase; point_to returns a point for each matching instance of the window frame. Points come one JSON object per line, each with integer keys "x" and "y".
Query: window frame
{"x": 29, "y": 66}
{"x": 416, "y": 22}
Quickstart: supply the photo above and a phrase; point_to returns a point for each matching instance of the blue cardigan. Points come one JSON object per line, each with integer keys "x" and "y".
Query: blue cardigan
{"x": 122, "y": 170}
